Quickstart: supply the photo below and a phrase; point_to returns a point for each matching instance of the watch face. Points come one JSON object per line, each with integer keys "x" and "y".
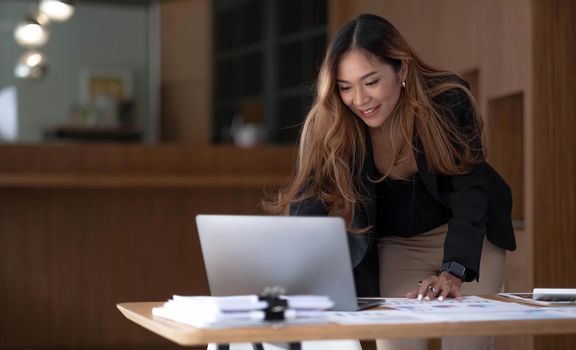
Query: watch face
{"x": 455, "y": 269}
{"x": 458, "y": 270}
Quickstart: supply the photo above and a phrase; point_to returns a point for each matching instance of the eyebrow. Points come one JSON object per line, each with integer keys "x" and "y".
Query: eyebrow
{"x": 361, "y": 78}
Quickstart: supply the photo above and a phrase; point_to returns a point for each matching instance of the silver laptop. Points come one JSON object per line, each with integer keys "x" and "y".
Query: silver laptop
{"x": 303, "y": 255}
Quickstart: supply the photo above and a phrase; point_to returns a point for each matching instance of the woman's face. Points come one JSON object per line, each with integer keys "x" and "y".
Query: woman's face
{"x": 369, "y": 87}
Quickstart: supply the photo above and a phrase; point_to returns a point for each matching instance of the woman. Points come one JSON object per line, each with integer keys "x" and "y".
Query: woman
{"x": 394, "y": 146}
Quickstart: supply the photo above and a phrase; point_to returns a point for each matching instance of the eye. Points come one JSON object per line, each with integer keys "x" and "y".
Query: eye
{"x": 343, "y": 88}
{"x": 372, "y": 82}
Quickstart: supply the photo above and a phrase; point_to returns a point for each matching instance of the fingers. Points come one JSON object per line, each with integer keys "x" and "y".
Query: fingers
{"x": 444, "y": 294}
{"x": 413, "y": 294}
{"x": 433, "y": 291}
{"x": 457, "y": 294}
{"x": 438, "y": 288}
{"x": 427, "y": 288}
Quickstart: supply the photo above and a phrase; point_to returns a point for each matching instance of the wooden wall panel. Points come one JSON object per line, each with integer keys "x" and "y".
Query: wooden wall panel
{"x": 144, "y": 160}
{"x": 181, "y": 121}
{"x": 340, "y": 12}
{"x": 473, "y": 78}
{"x": 554, "y": 149}
{"x": 505, "y": 121}
{"x": 186, "y": 71}
{"x": 68, "y": 256}
{"x": 554, "y": 143}
{"x": 83, "y": 227}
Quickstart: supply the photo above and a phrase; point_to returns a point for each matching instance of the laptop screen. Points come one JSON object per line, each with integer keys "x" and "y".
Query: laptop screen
{"x": 303, "y": 255}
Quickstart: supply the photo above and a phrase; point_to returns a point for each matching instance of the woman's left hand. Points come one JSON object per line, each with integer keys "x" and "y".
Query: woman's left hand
{"x": 443, "y": 286}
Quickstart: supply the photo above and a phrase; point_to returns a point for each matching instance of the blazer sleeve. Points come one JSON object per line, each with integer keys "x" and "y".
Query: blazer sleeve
{"x": 467, "y": 196}
{"x": 468, "y": 202}
{"x": 363, "y": 255}
{"x": 358, "y": 243}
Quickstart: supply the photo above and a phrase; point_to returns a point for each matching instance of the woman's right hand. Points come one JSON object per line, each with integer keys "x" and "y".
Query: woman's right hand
{"x": 443, "y": 286}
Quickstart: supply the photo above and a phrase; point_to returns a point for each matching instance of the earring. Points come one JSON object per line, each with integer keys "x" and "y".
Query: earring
{"x": 403, "y": 83}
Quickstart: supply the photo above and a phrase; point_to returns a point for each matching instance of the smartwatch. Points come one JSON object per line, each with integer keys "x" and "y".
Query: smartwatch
{"x": 455, "y": 269}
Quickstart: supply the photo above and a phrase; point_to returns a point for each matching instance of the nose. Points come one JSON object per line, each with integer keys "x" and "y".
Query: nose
{"x": 360, "y": 97}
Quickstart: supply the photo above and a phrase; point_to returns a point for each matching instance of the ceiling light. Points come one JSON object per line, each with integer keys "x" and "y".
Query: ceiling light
{"x": 32, "y": 64}
{"x": 57, "y": 10}
{"x": 31, "y": 32}
{"x": 34, "y": 59}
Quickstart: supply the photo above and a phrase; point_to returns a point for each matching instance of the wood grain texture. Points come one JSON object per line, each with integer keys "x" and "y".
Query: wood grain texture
{"x": 121, "y": 181}
{"x": 141, "y": 313}
{"x": 87, "y": 226}
{"x": 67, "y": 256}
{"x": 554, "y": 150}
{"x": 113, "y": 159}
{"x": 555, "y": 144}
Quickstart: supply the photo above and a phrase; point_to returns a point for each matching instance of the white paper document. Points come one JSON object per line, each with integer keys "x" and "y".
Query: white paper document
{"x": 379, "y": 317}
{"x": 468, "y": 309}
{"x": 468, "y": 304}
{"x": 247, "y": 311}
{"x": 533, "y": 314}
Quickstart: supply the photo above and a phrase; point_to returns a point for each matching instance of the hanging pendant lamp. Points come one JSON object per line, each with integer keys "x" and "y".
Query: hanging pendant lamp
{"x": 32, "y": 32}
{"x": 32, "y": 64}
{"x": 57, "y": 10}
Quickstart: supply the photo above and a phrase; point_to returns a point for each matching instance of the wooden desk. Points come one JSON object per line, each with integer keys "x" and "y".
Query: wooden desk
{"x": 141, "y": 313}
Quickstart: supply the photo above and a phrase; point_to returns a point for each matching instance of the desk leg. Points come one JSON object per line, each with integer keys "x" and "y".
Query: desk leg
{"x": 295, "y": 346}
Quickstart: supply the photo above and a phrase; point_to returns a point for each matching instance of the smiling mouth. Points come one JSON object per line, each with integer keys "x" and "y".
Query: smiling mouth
{"x": 370, "y": 111}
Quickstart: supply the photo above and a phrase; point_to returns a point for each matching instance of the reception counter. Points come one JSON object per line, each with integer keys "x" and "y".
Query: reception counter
{"x": 83, "y": 226}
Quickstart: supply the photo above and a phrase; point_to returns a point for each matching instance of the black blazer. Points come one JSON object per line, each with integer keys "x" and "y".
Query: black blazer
{"x": 480, "y": 202}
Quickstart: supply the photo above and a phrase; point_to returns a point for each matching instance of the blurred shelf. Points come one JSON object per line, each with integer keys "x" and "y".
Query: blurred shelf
{"x": 91, "y": 134}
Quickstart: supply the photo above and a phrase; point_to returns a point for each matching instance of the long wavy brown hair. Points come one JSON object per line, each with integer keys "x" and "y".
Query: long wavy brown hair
{"x": 333, "y": 140}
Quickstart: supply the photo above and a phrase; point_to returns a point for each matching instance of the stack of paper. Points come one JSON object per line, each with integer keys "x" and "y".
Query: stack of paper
{"x": 202, "y": 311}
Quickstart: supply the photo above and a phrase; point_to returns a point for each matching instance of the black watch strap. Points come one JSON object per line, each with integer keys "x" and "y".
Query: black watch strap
{"x": 455, "y": 269}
